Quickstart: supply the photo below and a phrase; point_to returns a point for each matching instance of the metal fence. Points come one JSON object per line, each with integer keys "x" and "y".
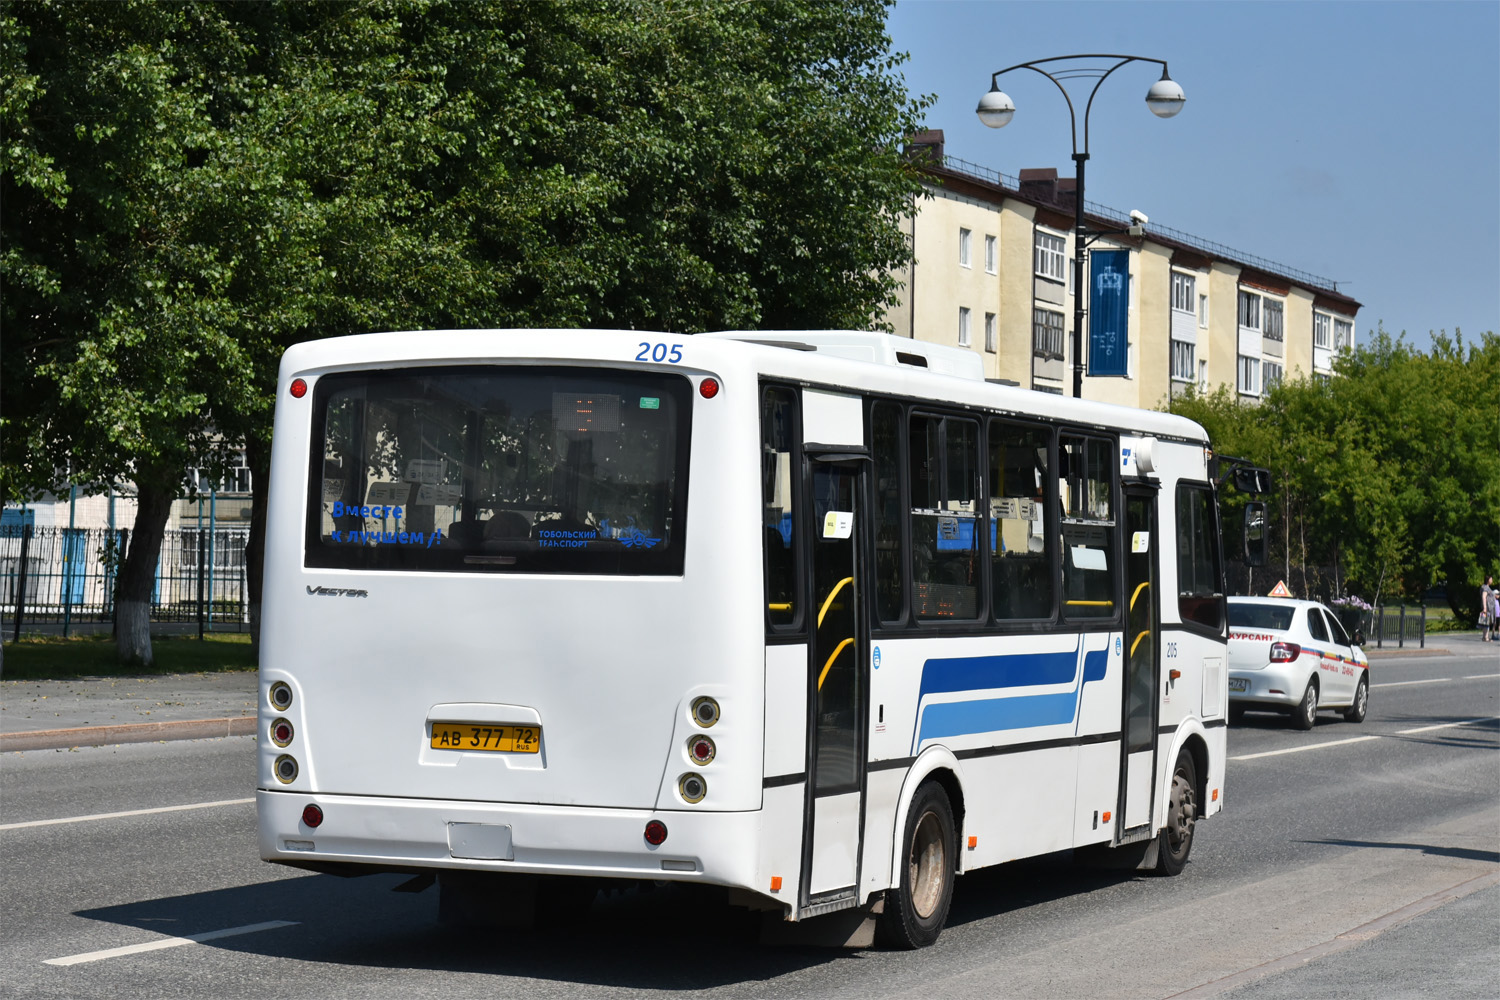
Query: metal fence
{"x": 56, "y": 580}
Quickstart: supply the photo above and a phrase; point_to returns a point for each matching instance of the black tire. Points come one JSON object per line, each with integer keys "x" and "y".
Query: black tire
{"x": 917, "y": 908}
{"x": 1305, "y": 715}
{"x": 1361, "y": 707}
{"x": 1176, "y": 837}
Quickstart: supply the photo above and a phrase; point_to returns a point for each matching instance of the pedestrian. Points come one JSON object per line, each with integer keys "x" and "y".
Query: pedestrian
{"x": 1489, "y": 607}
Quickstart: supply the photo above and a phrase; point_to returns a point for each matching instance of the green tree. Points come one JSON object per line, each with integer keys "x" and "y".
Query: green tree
{"x": 1389, "y": 472}
{"x": 191, "y": 188}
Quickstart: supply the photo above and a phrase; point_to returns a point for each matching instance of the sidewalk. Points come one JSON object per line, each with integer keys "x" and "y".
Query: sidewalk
{"x": 43, "y": 715}
{"x": 40, "y": 715}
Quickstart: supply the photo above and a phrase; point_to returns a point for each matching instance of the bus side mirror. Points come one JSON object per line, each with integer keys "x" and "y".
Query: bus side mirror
{"x": 1255, "y": 536}
{"x": 1252, "y": 480}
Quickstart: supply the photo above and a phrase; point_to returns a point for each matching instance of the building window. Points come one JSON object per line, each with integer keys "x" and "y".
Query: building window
{"x": 1270, "y": 376}
{"x": 1203, "y": 312}
{"x": 964, "y": 239}
{"x": 1343, "y": 334}
{"x": 1183, "y": 364}
{"x": 963, "y": 326}
{"x": 1250, "y": 310}
{"x": 1051, "y": 256}
{"x": 1273, "y": 328}
{"x": 1322, "y": 330}
{"x": 1203, "y": 375}
{"x": 1046, "y": 333}
{"x": 991, "y": 257}
{"x": 1183, "y": 287}
{"x": 1249, "y": 376}
{"x": 989, "y": 332}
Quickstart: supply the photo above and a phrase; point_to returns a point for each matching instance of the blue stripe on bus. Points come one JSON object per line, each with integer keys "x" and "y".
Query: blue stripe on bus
{"x": 989, "y": 715}
{"x": 982, "y": 673}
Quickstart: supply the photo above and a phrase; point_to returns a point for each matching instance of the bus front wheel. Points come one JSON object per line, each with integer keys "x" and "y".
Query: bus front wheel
{"x": 917, "y": 908}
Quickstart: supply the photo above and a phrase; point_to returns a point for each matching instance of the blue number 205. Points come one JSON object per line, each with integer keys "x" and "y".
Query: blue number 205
{"x": 660, "y": 352}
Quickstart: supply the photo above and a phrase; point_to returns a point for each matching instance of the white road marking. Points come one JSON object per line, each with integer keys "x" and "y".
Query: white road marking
{"x": 171, "y": 942}
{"x": 1310, "y": 746}
{"x": 1362, "y": 739}
{"x": 1482, "y": 677}
{"x": 1444, "y": 725}
{"x": 1425, "y": 680}
{"x": 130, "y": 812}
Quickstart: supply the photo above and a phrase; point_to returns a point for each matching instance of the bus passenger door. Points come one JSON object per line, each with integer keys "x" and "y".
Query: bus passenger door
{"x": 1143, "y": 684}
{"x": 836, "y": 680}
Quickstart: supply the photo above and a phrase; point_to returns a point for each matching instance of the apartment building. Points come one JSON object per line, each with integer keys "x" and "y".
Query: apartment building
{"x": 993, "y": 272}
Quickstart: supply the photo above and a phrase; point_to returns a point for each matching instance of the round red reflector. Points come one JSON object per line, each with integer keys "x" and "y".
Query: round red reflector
{"x": 283, "y": 733}
{"x": 312, "y": 816}
{"x": 708, "y": 388}
{"x": 656, "y": 832}
{"x": 299, "y": 388}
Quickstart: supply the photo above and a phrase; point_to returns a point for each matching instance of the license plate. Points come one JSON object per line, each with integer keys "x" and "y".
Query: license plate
{"x": 1235, "y": 684}
{"x": 486, "y": 737}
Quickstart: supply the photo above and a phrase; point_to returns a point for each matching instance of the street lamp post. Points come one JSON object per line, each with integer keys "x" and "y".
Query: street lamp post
{"x": 996, "y": 109}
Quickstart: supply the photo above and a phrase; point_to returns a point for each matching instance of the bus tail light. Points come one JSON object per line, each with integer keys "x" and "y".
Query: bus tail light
{"x": 1285, "y": 652}
{"x": 298, "y": 388}
{"x": 285, "y": 768}
{"x": 656, "y": 833}
{"x": 281, "y": 732}
{"x": 692, "y": 787}
{"x": 708, "y": 388}
{"x": 701, "y": 749}
{"x": 312, "y": 816}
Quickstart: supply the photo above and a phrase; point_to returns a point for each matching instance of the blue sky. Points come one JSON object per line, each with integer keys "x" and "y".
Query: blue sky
{"x": 1357, "y": 141}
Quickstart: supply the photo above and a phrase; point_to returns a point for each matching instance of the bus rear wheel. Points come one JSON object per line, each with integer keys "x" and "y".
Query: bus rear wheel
{"x": 917, "y": 908}
{"x": 1182, "y": 818}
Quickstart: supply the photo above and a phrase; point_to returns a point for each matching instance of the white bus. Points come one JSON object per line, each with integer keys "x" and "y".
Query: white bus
{"x": 823, "y": 618}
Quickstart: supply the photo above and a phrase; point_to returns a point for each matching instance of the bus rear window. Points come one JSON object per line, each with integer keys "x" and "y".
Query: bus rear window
{"x": 494, "y": 469}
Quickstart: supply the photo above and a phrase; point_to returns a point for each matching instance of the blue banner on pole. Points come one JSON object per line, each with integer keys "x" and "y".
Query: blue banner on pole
{"x": 1109, "y": 312}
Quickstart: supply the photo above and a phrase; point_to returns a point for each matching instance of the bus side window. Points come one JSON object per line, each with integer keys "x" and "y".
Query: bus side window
{"x": 944, "y": 461}
{"x": 885, "y": 427}
{"x": 1020, "y": 556}
{"x": 1200, "y": 578}
{"x": 779, "y": 432}
{"x": 1088, "y": 527}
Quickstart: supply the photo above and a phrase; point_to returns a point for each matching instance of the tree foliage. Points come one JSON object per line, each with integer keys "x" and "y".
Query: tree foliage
{"x": 1388, "y": 474}
{"x": 190, "y": 188}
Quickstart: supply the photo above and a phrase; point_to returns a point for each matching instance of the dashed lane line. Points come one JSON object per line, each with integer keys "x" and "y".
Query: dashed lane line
{"x": 1425, "y": 680}
{"x": 1361, "y": 739}
{"x": 171, "y": 942}
{"x": 128, "y": 812}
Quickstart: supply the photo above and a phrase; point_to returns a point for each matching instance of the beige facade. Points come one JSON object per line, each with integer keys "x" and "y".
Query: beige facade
{"x": 1199, "y": 315}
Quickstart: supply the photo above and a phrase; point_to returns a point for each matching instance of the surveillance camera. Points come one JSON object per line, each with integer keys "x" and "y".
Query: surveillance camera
{"x": 1138, "y": 217}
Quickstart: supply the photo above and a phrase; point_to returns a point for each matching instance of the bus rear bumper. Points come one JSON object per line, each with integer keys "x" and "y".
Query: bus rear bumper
{"x": 396, "y": 834}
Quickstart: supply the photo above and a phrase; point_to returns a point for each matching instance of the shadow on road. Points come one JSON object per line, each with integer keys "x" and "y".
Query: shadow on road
{"x": 1463, "y": 853}
{"x": 618, "y": 942}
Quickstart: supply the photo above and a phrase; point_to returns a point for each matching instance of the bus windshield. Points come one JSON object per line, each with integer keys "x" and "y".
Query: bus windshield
{"x": 496, "y": 469}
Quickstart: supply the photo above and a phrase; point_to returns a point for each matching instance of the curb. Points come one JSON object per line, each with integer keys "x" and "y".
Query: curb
{"x": 142, "y": 732}
{"x": 1387, "y": 654}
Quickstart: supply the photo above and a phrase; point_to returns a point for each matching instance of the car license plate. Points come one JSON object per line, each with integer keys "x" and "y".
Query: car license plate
{"x": 486, "y": 737}
{"x": 1235, "y": 684}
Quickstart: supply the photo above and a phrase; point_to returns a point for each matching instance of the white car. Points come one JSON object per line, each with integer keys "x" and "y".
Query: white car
{"x": 1294, "y": 657}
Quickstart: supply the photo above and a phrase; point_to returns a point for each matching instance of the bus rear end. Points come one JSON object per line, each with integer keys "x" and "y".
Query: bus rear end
{"x": 481, "y": 648}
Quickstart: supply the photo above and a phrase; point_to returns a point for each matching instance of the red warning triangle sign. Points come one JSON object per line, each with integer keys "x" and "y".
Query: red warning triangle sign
{"x": 1280, "y": 590}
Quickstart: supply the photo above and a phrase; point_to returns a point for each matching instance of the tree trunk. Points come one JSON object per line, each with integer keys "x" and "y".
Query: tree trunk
{"x": 258, "y": 459}
{"x": 138, "y": 574}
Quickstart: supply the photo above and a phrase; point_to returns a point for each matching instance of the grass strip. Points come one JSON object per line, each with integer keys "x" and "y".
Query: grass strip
{"x": 54, "y": 658}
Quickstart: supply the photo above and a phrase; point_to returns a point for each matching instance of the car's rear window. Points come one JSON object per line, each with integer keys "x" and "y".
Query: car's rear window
{"x": 1277, "y": 617}
{"x": 499, "y": 469}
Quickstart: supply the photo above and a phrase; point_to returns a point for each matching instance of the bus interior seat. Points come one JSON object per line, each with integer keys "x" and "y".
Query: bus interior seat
{"x": 506, "y": 525}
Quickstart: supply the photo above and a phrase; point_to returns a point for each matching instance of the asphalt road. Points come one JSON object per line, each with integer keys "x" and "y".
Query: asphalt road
{"x": 1332, "y": 873}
